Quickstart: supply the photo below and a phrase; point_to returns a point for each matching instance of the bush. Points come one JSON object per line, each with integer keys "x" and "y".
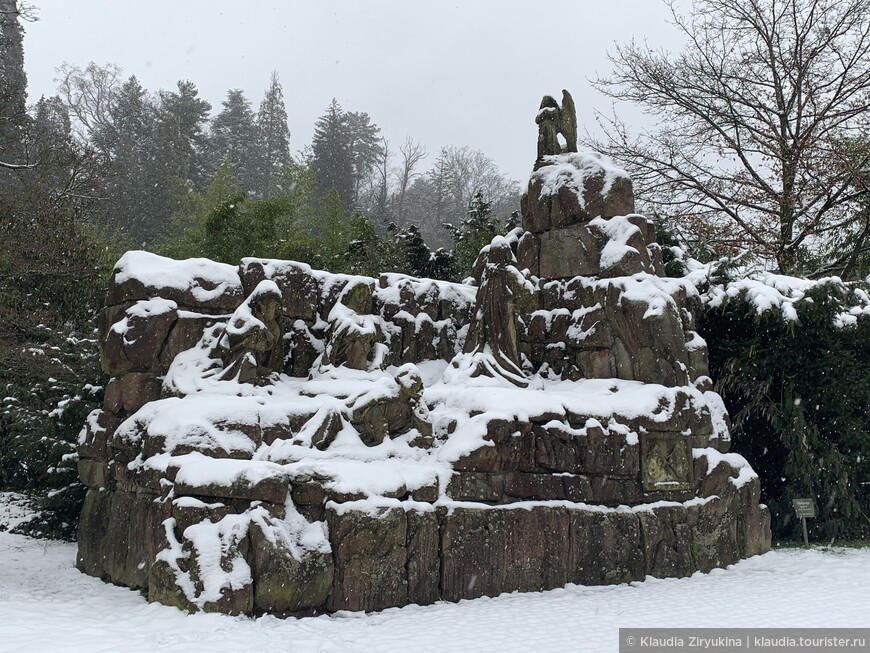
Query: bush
{"x": 794, "y": 371}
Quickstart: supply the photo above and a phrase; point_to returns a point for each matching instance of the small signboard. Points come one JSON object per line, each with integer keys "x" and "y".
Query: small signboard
{"x": 804, "y": 507}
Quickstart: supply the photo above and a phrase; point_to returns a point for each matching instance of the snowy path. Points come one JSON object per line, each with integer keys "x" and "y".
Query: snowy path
{"x": 47, "y": 605}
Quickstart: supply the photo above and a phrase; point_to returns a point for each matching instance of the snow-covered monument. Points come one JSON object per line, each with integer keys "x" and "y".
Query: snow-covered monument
{"x": 279, "y": 439}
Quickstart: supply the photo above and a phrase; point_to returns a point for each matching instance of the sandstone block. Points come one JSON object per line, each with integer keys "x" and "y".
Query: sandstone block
{"x": 284, "y": 583}
{"x": 561, "y": 449}
{"x": 92, "y": 473}
{"x": 489, "y": 551}
{"x": 423, "y": 557}
{"x": 714, "y": 534}
{"x": 129, "y": 392}
{"x": 513, "y": 448}
{"x": 133, "y": 343}
{"x": 605, "y": 548}
{"x": 300, "y": 290}
{"x": 184, "y": 334}
{"x": 568, "y": 252}
{"x": 529, "y": 253}
{"x": 484, "y": 487}
{"x": 667, "y": 541}
{"x": 194, "y": 283}
{"x": 93, "y": 526}
{"x": 370, "y": 554}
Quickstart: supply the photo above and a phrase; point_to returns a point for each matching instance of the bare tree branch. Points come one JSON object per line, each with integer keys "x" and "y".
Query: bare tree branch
{"x": 764, "y": 133}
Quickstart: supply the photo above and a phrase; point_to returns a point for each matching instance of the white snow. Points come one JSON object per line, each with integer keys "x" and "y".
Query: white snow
{"x": 47, "y": 605}
{"x": 572, "y": 169}
{"x": 205, "y": 279}
{"x": 618, "y": 230}
{"x": 767, "y": 291}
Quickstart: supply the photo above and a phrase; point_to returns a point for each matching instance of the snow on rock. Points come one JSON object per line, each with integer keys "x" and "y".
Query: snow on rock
{"x": 618, "y": 230}
{"x": 745, "y": 473}
{"x": 571, "y": 171}
{"x": 204, "y": 279}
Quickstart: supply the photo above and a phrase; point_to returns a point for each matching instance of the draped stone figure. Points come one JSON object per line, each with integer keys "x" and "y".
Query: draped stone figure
{"x": 553, "y": 121}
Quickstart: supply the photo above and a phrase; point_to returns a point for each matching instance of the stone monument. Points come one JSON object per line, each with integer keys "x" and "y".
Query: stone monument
{"x": 277, "y": 439}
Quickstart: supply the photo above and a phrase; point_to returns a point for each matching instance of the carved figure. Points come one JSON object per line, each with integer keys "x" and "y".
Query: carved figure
{"x": 492, "y": 336}
{"x": 552, "y": 121}
{"x": 252, "y": 344}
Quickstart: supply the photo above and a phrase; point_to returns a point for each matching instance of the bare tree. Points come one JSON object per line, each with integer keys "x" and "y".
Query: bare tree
{"x": 412, "y": 154}
{"x": 762, "y": 127}
{"x": 90, "y": 94}
{"x": 380, "y": 185}
{"x": 468, "y": 172}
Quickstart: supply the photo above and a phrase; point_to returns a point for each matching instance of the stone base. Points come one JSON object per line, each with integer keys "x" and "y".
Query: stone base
{"x": 409, "y": 551}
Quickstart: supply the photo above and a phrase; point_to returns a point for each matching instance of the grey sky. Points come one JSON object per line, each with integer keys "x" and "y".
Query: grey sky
{"x": 446, "y": 73}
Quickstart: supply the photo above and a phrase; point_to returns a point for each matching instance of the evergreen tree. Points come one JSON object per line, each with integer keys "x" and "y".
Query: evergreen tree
{"x": 346, "y": 148}
{"x": 49, "y": 142}
{"x": 366, "y": 147}
{"x": 177, "y": 156}
{"x": 477, "y": 230}
{"x": 234, "y": 139}
{"x": 13, "y": 87}
{"x": 274, "y": 139}
{"x": 129, "y": 144}
{"x": 333, "y": 157}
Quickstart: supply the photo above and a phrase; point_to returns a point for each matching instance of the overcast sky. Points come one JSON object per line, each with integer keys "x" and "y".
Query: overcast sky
{"x": 466, "y": 72}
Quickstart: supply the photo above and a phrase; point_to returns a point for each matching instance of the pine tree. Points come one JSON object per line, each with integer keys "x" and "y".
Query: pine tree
{"x": 274, "y": 139}
{"x": 234, "y": 140}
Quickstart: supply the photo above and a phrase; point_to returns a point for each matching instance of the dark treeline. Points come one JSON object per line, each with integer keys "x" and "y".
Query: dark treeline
{"x": 181, "y": 177}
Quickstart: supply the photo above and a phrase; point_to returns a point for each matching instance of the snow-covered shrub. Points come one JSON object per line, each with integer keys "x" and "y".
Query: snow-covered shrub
{"x": 791, "y": 358}
{"x": 46, "y": 392}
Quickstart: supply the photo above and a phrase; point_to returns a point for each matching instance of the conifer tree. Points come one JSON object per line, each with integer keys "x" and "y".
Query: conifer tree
{"x": 234, "y": 139}
{"x": 274, "y": 138}
{"x": 129, "y": 145}
{"x": 346, "y": 148}
{"x": 13, "y": 86}
{"x": 332, "y": 156}
{"x": 178, "y": 151}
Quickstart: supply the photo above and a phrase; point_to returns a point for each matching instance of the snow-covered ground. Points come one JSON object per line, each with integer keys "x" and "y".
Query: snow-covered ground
{"x": 47, "y": 605}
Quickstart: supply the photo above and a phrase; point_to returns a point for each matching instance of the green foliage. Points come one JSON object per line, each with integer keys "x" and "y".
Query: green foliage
{"x": 673, "y": 257}
{"x": 49, "y": 390}
{"x": 415, "y": 258}
{"x": 798, "y": 394}
{"x": 225, "y": 224}
{"x": 52, "y": 279}
{"x": 477, "y": 230}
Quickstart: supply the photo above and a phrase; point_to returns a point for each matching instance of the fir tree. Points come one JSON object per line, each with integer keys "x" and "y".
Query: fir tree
{"x": 346, "y": 148}
{"x": 333, "y": 156}
{"x": 477, "y": 230}
{"x": 274, "y": 139}
{"x": 234, "y": 139}
{"x": 178, "y": 151}
{"x": 129, "y": 145}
